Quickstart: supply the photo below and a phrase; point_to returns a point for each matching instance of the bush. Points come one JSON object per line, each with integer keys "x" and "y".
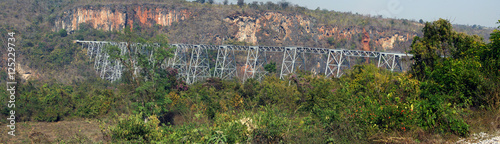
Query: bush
{"x": 277, "y": 92}
{"x": 97, "y": 103}
{"x": 63, "y": 33}
{"x": 49, "y": 103}
{"x": 271, "y": 126}
{"x": 133, "y": 129}
{"x": 270, "y": 67}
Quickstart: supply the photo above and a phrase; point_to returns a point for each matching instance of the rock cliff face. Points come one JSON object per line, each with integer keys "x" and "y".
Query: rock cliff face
{"x": 290, "y": 28}
{"x": 110, "y": 18}
{"x": 366, "y": 40}
{"x": 387, "y": 43}
{"x": 260, "y": 28}
{"x": 282, "y": 25}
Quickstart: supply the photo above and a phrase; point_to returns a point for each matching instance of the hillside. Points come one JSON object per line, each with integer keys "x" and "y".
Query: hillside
{"x": 194, "y": 23}
{"x": 257, "y": 24}
{"x": 450, "y": 92}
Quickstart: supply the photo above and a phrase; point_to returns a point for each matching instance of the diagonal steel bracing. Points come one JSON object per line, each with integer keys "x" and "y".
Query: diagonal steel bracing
{"x": 254, "y": 66}
{"x": 288, "y": 64}
{"x": 336, "y": 60}
{"x": 179, "y": 60}
{"x": 391, "y": 61}
{"x": 225, "y": 65}
{"x": 111, "y": 69}
{"x": 199, "y": 68}
{"x": 192, "y": 61}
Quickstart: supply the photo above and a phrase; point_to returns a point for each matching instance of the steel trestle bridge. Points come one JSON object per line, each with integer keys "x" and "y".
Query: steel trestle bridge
{"x": 193, "y": 61}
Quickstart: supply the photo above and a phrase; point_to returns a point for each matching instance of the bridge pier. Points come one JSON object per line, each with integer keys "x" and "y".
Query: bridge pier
{"x": 225, "y": 65}
{"x": 253, "y": 67}
{"x": 179, "y": 61}
{"x": 334, "y": 63}
{"x": 288, "y": 64}
{"x": 390, "y": 61}
{"x": 199, "y": 67}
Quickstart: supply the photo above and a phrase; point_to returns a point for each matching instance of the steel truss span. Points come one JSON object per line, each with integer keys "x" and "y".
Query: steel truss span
{"x": 198, "y": 62}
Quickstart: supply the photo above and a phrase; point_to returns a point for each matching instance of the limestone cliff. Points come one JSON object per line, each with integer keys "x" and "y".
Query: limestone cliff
{"x": 249, "y": 26}
{"x": 291, "y": 28}
{"x": 258, "y": 28}
{"x": 113, "y": 17}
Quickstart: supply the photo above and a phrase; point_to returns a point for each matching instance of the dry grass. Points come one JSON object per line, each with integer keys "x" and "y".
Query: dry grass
{"x": 479, "y": 122}
{"x": 88, "y": 131}
{"x": 78, "y": 131}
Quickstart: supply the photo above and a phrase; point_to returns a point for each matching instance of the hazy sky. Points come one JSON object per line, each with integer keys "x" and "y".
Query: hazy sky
{"x": 481, "y": 12}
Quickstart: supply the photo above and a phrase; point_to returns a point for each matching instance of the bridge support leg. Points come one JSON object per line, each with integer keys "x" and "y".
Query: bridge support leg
{"x": 225, "y": 66}
{"x": 118, "y": 65}
{"x": 334, "y": 63}
{"x": 104, "y": 66}
{"x": 179, "y": 61}
{"x": 253, "y": 66}
{"x": 300, "y": 61}
{"x": 397, "y": 63}
{"x": 260, "y": 73}
{"x": 199, "y": 66}
{"x": 389, "y": 61}
{"x": 250, "y": 64}
{"x": 288, "y": 64}
{"x": 98, "y": 59}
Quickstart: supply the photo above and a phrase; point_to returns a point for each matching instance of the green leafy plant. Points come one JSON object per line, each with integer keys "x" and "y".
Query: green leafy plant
{"x": 133, "y": 128}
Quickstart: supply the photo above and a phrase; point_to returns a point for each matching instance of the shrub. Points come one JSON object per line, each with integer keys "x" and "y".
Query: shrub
{"x": 94, "y": 104}
{"x": 271, "y": 126}
{"x": 63, "y": 33}
{"x": 134, "y": 129}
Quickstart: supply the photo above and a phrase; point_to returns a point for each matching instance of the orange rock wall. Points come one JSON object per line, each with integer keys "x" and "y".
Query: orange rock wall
{"x": 278, "y": 27}
{"x": 108, "y": 19}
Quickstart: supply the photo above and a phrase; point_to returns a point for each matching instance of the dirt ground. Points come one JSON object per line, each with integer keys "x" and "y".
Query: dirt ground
{"x": 77, "y": 131}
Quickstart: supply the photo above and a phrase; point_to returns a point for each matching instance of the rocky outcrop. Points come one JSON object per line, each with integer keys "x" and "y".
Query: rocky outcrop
{"x": 387, "y": 43}
{"x": 248, "y": 26}
{"x": 259, "y": 28}
{"x": 100, "y": 18}
{"x": 113, "y": 17}
{"x": 147, "y": 16}
{"x": 366, "y": 40}
{"x": 284, "y": 27}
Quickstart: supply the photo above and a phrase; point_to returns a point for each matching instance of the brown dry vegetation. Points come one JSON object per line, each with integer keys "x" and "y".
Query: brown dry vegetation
{"x": 71, "y": 131}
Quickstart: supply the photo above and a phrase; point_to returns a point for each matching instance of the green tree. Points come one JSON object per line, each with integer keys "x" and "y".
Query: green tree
{"x": 241, "y": 3}
{"x": 451, "y": 61}
{"x": 270, "y": 67}
{"x": 63, "y": 33}
{"x": 432, "y": 46}
{"x": 492, "y": 55}
{"x": 143, "y": 72}
{"x": 284, "y": 4}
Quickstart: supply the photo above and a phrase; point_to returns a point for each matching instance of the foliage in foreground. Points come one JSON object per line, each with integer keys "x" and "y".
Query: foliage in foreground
{"x": 435, "y": 97}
